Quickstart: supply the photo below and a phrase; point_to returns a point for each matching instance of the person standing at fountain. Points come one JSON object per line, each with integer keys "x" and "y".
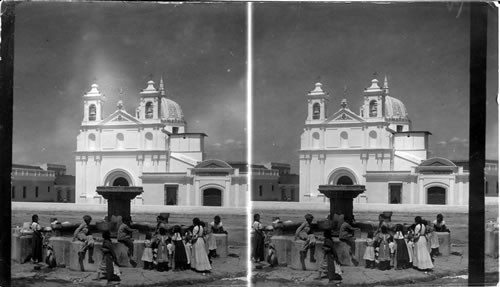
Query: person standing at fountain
{"x": 108, "y": 266}
{"x": 82, "y": 233}
{"x": 199, "y": 260}
{"x": 384, "y": 253}
{"x": 369, "y": 255}
{"x": 124, "y": 235}
{"x": 258, "y": 239}
{"x": 422, "y": 259}
{"x": 346, "y": 234}
{"x": 330, "y": 263}
{"x": 180, "y": 258}
{"x": 37, "y": 241}
{"x": 214, "y": 227}
{"x": 305, "y": 233}
{"x": 402, "y": 255}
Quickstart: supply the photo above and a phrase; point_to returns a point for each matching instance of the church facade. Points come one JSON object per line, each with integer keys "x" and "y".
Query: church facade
{"x": 153, "y": 149}
{"x": 375, "y": 147}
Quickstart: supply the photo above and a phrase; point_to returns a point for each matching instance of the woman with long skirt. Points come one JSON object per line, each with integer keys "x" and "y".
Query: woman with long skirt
{"x": 180, "y": 258}
{"x": 402, "y": 256}
{"x": 199, "y": 259}
{"x": 422, "y": 259}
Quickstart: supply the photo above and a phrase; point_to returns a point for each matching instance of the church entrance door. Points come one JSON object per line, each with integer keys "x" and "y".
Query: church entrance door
{"x": 212, "y": 197}
{"x": 120, "y": 182}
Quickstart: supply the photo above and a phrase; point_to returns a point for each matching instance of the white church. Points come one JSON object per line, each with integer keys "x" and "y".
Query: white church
{"x": 376, "y": 148}
{"x": 153, "y": 149}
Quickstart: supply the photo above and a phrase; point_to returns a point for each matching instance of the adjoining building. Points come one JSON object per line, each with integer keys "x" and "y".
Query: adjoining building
{"x": 42, "y": 183}
{"x": 151, "y": 148}
{"x": 273, "y": 182}
{"x": 375, "y": 147}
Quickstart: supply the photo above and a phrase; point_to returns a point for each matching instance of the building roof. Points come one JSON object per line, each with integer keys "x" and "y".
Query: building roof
{"x": 15, "y": 165}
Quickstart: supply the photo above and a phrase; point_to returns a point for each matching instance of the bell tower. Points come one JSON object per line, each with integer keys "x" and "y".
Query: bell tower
{"x": 92, "y": 102}
{"x": 374, "y": 104}
{"x": 150, "y": 105}
{"x": 317, "y": 101}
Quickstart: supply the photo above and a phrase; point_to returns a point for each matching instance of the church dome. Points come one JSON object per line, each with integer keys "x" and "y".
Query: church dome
{"x": 171, "y": 111}
{"x": 394, "y": 108}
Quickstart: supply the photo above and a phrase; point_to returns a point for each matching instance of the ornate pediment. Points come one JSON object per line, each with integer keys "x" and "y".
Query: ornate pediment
{"x": 120, "y": 117}
{"x": 344, "y": 115}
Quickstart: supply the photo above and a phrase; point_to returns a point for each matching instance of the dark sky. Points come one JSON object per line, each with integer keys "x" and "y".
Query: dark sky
{"x": 60, "y": 48}
{"x": 423, "y": 48}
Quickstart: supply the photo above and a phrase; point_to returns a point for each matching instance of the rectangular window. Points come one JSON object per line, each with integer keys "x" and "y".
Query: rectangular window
{"x": 175, "y": 130}
{"x": 260, "y": 190}
{"x": 13, "y": 192}
{"x": 171, "y": 194}
{"x": 399, "y": 128}
{"x": 48, "y": 189}
{"x": 486, "y": 186}
{"x": 36, "y": 191}
{"x": 395, "y": 193}
{"x": 24, "y": 191}
{"x": 272, "y": 187}
{"x": 68, "y": 198}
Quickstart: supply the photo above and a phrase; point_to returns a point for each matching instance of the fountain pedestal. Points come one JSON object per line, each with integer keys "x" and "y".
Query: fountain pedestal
{"x": 119, "y": 198}
{"x": 341, "y": 197}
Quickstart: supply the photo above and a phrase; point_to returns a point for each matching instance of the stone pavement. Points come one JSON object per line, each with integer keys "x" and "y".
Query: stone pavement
{"x": 453, "y": 265}
{"x": 233, "y": 266}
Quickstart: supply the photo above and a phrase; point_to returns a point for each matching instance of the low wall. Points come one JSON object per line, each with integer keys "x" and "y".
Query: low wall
{"x": 287, "y": 250}
{"x": 66, "y": 250}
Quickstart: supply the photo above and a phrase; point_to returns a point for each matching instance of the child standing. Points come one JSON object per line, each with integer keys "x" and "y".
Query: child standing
{"x": 188, "y": 247}
{"x": 180, "y": 255}
{"x": 36, "y": 246}
{"x": 162, "y": 253}
{"x": 384, "y": 255}
{"x": 147, "y": 254}
{"x": 82, "y": 233}
{"x": 392, "y": 248}
{"x": 108, "y": 266}
{"x": 272, "y": 259}
{"x": 369, "y": 255}
{"x": 402, "y": 256}
{"x": 434, "y": 241}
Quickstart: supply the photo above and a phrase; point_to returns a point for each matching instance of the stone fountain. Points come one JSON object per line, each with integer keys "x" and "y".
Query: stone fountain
{"x": 119, "y": 198}
{"x": 341, "y": 197}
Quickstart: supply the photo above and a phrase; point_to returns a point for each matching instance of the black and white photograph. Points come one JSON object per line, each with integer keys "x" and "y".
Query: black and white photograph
{"x": 361, "y": 134}
{"x": 129, "y": 144}
{"x": 244, "y": 143}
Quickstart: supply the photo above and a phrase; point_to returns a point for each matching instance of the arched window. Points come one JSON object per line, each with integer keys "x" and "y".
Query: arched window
{"x": 373, "y": 108}
{"x": 119, "y": 141}
{"x": 92, "y": 112}
{"x": 91, "y": 142}
{"x": 149, "y": 141}
{"x": 149, "y": 110}
{"x": 344, "y": 137}
{"x": 316, "y": 111}
{"x": 436, "y": 195}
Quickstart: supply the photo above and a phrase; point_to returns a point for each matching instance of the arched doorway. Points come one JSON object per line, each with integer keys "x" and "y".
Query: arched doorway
{"x": 342, "y": 176}
{"x": 436, "y": 195}
{"x": 344, "y": 180}
{"x": 212, "y": 197}
{"x": 120, "y": 182}
{"x": 118, "y": 177}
